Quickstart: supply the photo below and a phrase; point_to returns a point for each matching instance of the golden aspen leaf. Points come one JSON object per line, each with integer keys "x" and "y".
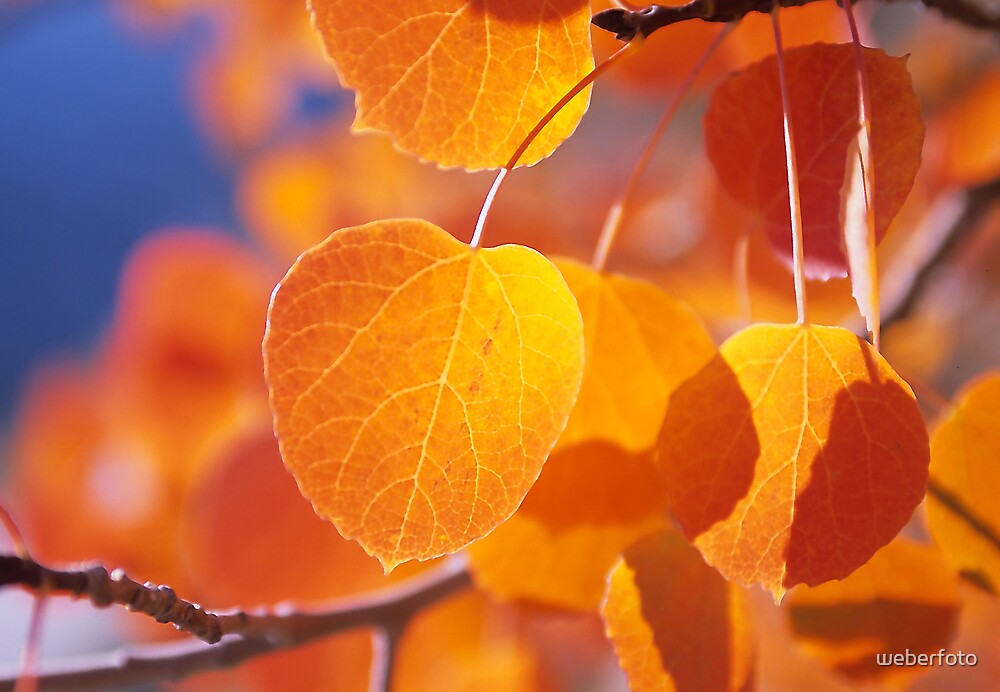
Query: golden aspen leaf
{"x": 962, "y": 510}
{"x": 640, "y": 345}
{"x": 745, "y": 142}
{"x": 417, "y": 384}
{"x": 903, "y": 599}
{"x": 674, "y": 622}
{"x": 590, "y": 502}
{"x": 461, "y": 82}
{"x": 793, "y": 456}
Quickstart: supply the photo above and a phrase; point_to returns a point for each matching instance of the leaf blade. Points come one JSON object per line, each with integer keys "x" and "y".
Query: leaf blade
{"x": 406, "y": 369}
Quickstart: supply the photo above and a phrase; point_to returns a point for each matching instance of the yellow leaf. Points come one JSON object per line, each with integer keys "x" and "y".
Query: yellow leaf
{"x": 962, "y": 510}
{"x": 417, "y": 384}
{"x": 641, "y": 344}
{"x": 461, "y": 82}
{"x": 590, "y": 502}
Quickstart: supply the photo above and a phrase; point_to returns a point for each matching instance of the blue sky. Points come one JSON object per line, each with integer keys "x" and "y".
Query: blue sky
{"x": 97, "y": 148}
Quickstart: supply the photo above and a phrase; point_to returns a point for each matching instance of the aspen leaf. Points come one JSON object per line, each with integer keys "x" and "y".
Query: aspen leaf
{"x": 903, "y": 599}
{"x": 962, "y": 506}
{"x": 745, "y": 142}
{"x": 461, "y": 82}
{"x": 466, "y": 643}
{"x": 417, "y": 384}
{"x": 640, "y": 344}
{"x": 674, "y": 622}
{"x": 793, "y": 456}
{"x": 590, "y": 502}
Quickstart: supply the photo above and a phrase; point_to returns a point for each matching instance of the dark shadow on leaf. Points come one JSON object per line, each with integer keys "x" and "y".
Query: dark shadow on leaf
{"x": 865, "y": 482}
{"x": 709, "y": 447}
{"x": 688, "y": 604}
{"x": 876, "y": 626}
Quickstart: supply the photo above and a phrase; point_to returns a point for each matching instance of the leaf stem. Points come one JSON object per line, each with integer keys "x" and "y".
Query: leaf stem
{"x": 16, "y": 537}
{"x": 613, "y": 222}
{"x": 586, "y": 81}
{"x": 868, "y": 175}
{"x": 794, "y": 204}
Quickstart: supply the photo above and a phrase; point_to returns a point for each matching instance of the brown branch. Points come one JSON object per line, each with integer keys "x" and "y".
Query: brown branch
{"x": 246, "y": 635}
{"x": 626, "y": 24}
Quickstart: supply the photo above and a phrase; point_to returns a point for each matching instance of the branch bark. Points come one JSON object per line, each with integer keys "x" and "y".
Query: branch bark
{"x": 238, "y": 636}
{"x": 627, "y": 24}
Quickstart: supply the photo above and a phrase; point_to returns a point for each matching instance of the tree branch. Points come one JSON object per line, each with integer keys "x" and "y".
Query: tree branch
{"x": 239, "y": 635}
{"x": 978, "y": 201}
{"x": 627, "y": 24}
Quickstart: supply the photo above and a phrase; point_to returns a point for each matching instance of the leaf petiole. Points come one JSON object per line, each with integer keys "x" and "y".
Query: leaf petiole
{"x": 794, "y": 203}
{"x": 587, "y": 80}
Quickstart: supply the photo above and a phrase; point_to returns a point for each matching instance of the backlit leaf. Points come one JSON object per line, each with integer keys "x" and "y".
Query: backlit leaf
{"x": 903, "y": 599}
{"x": 674, "y": 622}
{"x": 793, "y": 456}
{"x": 745, "y": 141}
{"x": 590, "y": 502}
{"x": 461, "y": 82}
{"x": 640, "y": 344}
{"x": 962, "y": 509}
{"x": 418, "y": 385}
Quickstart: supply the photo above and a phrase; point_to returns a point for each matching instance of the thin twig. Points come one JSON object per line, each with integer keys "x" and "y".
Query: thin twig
{"x": 246, "y": 635}
{"x": 627, "y": 24}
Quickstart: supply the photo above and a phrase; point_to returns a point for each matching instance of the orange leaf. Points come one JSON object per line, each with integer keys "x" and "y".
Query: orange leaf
{"x": 296, "y": 554}
{"x": 590, "y": 502}
{"x": 466, "y": 643}
{"x": 745, "y": 141}
{"x": 962, "y": 510}
{"x": 793, "y": 456}
{"x": 969, "y": 134}
{"x": 418, "y": 385}
{"x": 640, "y": 345}
{"x": 461, "y": 83}
{"x": 674, "y": 622}
{"x": 903, "y": 599}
